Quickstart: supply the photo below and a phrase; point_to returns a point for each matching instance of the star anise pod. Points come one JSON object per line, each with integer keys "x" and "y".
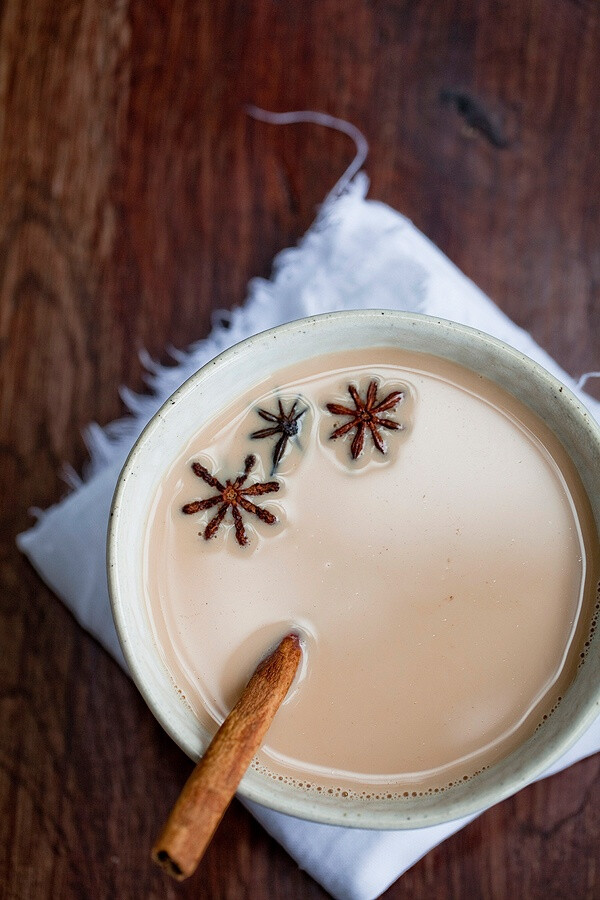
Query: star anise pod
{"x": 367, "y": 414}
{"x": 285, "y": 424}
{"x": 232, "y": 494}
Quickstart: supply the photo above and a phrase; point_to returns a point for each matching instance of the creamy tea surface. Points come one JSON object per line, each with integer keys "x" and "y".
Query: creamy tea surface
{"x": 432, "y": 544}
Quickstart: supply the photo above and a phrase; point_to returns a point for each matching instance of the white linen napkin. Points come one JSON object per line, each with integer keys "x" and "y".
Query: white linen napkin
{"x": 358, "y": 254}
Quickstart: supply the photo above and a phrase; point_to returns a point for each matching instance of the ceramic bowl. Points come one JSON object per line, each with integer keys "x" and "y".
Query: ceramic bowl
{"x": 220, "y": 382}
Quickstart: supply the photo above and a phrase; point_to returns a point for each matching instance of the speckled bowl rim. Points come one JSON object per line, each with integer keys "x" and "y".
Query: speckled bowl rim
{"x": 474, "y": 349}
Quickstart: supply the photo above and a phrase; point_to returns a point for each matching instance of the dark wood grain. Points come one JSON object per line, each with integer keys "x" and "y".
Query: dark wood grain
{"x": 136, "y": 198}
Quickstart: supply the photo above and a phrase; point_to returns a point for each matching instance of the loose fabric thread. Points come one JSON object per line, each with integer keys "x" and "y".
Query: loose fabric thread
{"x": 318, "y": 118}
{"x": 585, "y": 378}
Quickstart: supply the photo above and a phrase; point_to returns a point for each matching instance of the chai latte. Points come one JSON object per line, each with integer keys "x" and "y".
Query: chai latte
{"x": 444, "y": 588}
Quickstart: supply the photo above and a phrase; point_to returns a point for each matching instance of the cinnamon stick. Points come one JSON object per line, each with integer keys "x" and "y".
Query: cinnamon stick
{"x": 211, "y": 786}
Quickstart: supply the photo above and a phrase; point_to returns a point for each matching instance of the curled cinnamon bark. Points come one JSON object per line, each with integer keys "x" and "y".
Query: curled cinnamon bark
{"x": 211, "y": 786}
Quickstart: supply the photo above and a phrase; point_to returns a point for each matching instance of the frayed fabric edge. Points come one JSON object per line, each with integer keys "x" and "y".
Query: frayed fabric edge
{"x": 107, "y": 443}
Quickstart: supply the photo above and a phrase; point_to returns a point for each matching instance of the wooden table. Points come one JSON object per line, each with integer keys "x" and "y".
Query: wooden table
{"x": 136, "y": 197}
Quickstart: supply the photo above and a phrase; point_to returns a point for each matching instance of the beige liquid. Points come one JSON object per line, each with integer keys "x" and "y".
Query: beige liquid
{"x": 443, "y": 590}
